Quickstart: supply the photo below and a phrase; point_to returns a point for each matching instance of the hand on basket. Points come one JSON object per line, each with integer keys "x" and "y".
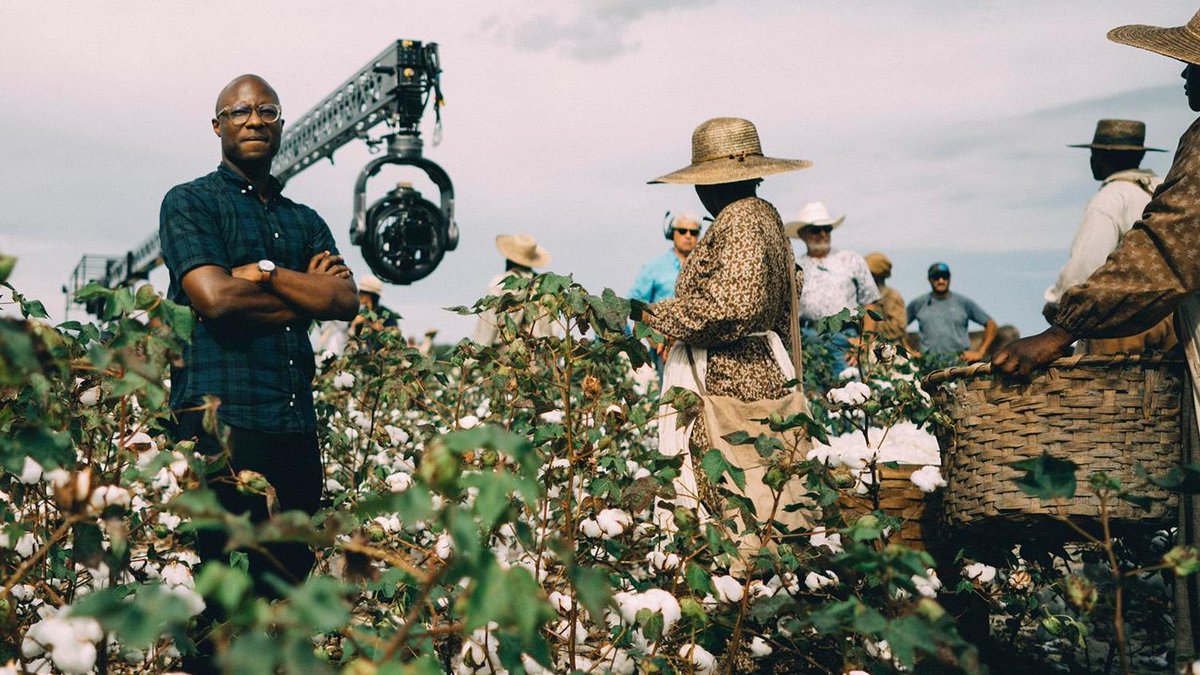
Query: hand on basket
{"x": 1022, "y": 357}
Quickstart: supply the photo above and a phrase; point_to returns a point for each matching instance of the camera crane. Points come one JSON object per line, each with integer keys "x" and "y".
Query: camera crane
{"x": 403, "y": 236}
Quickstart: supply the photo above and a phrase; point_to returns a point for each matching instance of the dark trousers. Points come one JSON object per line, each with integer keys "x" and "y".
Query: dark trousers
{"x": 291, "y": 463}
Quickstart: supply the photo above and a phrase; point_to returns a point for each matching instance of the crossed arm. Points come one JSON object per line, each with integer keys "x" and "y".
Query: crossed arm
{"x": 324, "y": 291}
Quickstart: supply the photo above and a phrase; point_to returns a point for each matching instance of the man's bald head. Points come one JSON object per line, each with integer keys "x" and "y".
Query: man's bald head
{"x": 230, "y": 93}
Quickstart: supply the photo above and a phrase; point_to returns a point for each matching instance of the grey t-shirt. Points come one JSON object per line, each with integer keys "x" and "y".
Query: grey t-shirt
{"x": 943, "y": 321}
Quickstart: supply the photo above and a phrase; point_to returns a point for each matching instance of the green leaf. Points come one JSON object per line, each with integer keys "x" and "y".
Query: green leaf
{"x": 715, "y": 464}
{"x": 1184, "y": 560}
{"x": 7, "y": 263}
{"x": 88, "y": 547}
{"x": 698, "y": 580}
{"x": 1184, "y": 478}
{"x": 319, "y": 603}
{"x": 591, "y": 585}
{"x": 908, "y": 635}
{"x": 253, "y": 653}
{"x": 651, "y": 623}
{"x": 1046, "y": 477}
{"x": 138, "y": 620}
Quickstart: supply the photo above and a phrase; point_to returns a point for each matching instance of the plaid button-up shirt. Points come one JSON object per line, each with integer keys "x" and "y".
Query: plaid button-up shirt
{"x": 262, "y": 373}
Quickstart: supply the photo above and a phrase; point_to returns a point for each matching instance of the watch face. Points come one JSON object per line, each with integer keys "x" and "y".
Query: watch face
{"x": 266, "y": 266}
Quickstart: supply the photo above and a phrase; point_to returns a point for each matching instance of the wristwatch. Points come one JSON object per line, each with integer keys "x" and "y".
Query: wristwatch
{"x": 267, "y": 268}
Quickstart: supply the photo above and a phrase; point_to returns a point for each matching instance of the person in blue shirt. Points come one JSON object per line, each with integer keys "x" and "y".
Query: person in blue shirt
{"x": 656, "y": 280}
{"x": 943, "y": 317}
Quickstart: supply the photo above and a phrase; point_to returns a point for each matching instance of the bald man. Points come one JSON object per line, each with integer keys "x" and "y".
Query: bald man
{"x": 256, "y": 268}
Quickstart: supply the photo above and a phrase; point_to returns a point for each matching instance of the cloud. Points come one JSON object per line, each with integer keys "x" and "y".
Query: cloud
{"x": 592, "y": 32}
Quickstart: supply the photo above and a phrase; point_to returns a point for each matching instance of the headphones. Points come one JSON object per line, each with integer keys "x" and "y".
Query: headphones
{"x": 669, "y": 224}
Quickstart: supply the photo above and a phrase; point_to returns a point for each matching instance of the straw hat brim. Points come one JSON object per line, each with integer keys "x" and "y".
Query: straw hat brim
{"x": 510, "y": 249}
{"x": 1103, "y": 146}
{"x": 793, "y": 228}
{"x": 716, "y": 171}
{"x": 1177, "y": 42}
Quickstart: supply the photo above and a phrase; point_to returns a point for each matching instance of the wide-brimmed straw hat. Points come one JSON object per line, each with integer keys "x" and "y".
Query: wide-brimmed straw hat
{"x": 727, "y": 150}
{"x": 1118, "y": 135}
{"x": 523, "y": 250}
{"x": 1180, "y": 42}
{"x": 813, "y": 214}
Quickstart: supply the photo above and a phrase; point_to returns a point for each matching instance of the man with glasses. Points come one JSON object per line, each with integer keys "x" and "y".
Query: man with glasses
{"x": 943, "y": 318}
{"x": 256, "y": 268}
{"x": 656, "y": 280}
{"x": 834, "y": 280}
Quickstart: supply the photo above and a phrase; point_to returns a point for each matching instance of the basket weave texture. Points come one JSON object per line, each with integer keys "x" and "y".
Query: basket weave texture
{"x": 1105, "y": 413}
{"x": 899, "y": 497}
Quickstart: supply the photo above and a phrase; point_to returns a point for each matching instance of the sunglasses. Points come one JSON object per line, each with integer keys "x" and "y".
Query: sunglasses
{"x": 938, "y": 276}
{"x": 684, "y": 230}
{"x": 822, "y": 229}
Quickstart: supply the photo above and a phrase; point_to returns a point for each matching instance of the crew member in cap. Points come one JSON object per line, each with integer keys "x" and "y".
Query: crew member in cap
{"x": 943, "y": 318}
{"x": 834, "y": 280}
{"x": 1153, "y": 272}
{"x": 894, "y": 325}
{"x": 521, "y": 254}
{"x": 656, "y": 280}
{"x": 370, "y": 311}
{"x": 1117, "y": 150}
{"x": 733, "y": 298}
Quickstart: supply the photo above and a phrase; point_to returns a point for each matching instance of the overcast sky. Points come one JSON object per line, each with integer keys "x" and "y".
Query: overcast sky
{"x": 938, "y": 128}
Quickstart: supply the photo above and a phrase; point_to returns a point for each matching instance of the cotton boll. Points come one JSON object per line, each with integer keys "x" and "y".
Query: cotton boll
{"x": 169, "y": 520}
{"x": 177, "y": 574}
{"x": 759, "y": 648}
{"x": 833, "y": 542}
{"x": 928, "y": 584}
{"x": 850, "y": 395}
{"x": 343, "y": 381}
{"x": 31, "y": 472}
{"x": 191, "y": 599}
{"x": 928, "y": 478}
{"x": 26, "y": 545}
{"x": 590, "y": 528}
{"x": 662, "y": 561}
{"x": 552, "y": 416}
{"x": 728, "y": 588}
{"x": 396, "y": 435}
{"x": 613, "y": 522}
{"x": 700, "y": 657}
{"x": 561, "y": 602}
{"x": 109, "y": 495}
{"x": 468, "y": 422}
{"x": 444, "y": 546}
{"x": 398, "y": 482}
{"x": 334, "y": 487}
{"x": 816, "y": 581}
{"x": 658, "y": 600}
{"x": 90, "y": 397}
{"x": 979, "y": 572}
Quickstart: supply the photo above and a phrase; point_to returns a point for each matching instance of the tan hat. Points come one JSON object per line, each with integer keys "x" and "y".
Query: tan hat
{"x": 523, "y": 250}
{"x": 370, "y": 284}
{"x": 813, "y": 213}
{"x": 1180, "y": 42}
{"x": 727, "y": 150}
{"x": 879, "y": 264}
{"x": 1118, "y": 135}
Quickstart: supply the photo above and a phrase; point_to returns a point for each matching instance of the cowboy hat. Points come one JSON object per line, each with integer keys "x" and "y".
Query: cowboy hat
{"x": 1180, "y": 42}
{"x": 523, "y": 250}
{"x": 370, "y": 284}
{"x": 813, "y": 214}
{"x": 727, "y": 150}
{"x": 1118, "y": 135}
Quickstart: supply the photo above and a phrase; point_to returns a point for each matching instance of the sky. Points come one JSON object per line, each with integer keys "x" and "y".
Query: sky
{"x": 938, "y": 128}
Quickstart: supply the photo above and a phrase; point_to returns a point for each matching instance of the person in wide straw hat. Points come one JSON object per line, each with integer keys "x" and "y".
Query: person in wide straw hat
{"x": 521, "y": 254}
{"x": 1153, "y": 272}
{"x": 1117, "y": 149}
{"x": 732, "y": 301}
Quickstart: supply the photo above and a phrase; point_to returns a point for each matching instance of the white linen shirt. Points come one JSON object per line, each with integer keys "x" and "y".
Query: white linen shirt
{"x": 1108, "y": 216}
{"x": 839, "y": 280}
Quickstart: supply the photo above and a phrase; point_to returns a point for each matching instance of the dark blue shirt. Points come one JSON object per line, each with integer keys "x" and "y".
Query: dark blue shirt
{"x": 262, "y": 373}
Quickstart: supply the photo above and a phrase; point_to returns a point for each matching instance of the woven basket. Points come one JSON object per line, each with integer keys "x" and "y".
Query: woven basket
{"x": 1105, "y": 413}
{"x": 899, "y": 497}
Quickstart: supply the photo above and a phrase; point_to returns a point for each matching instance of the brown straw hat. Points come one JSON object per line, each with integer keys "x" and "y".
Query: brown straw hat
{"x": 727, "y": 150}
{"x": 879, "y": 264}
{"x": 1118, "y": 135}
{"x": 1180, "y": 42}
{"x": 523, "y": 250}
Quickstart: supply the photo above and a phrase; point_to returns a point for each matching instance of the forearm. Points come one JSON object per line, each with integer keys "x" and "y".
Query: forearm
{"x": 989, "y": 336}
{"x": 242, "y": 300}
{"x": 317, "y": 296}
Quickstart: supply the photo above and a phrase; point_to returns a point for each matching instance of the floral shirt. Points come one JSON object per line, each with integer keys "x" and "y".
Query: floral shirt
{"x": 1156, "y": 265}
{"x": 838, "y": 281}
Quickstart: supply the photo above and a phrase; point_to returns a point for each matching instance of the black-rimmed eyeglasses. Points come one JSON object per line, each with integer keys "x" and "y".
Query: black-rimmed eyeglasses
{"x": 240, "y": 114}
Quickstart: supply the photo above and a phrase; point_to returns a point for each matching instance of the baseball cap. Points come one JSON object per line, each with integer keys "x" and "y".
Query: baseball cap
{"x": 939, "y": 268}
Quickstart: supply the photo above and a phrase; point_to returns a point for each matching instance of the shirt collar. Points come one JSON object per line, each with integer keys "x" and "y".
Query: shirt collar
{"x": 1128, "y": 174}
{"x": 244, "y": 186}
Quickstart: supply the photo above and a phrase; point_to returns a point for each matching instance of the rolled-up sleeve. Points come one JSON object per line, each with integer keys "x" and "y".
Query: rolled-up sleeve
{"x": 188, "y": 233}
{"x": 1156, "y": 265}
